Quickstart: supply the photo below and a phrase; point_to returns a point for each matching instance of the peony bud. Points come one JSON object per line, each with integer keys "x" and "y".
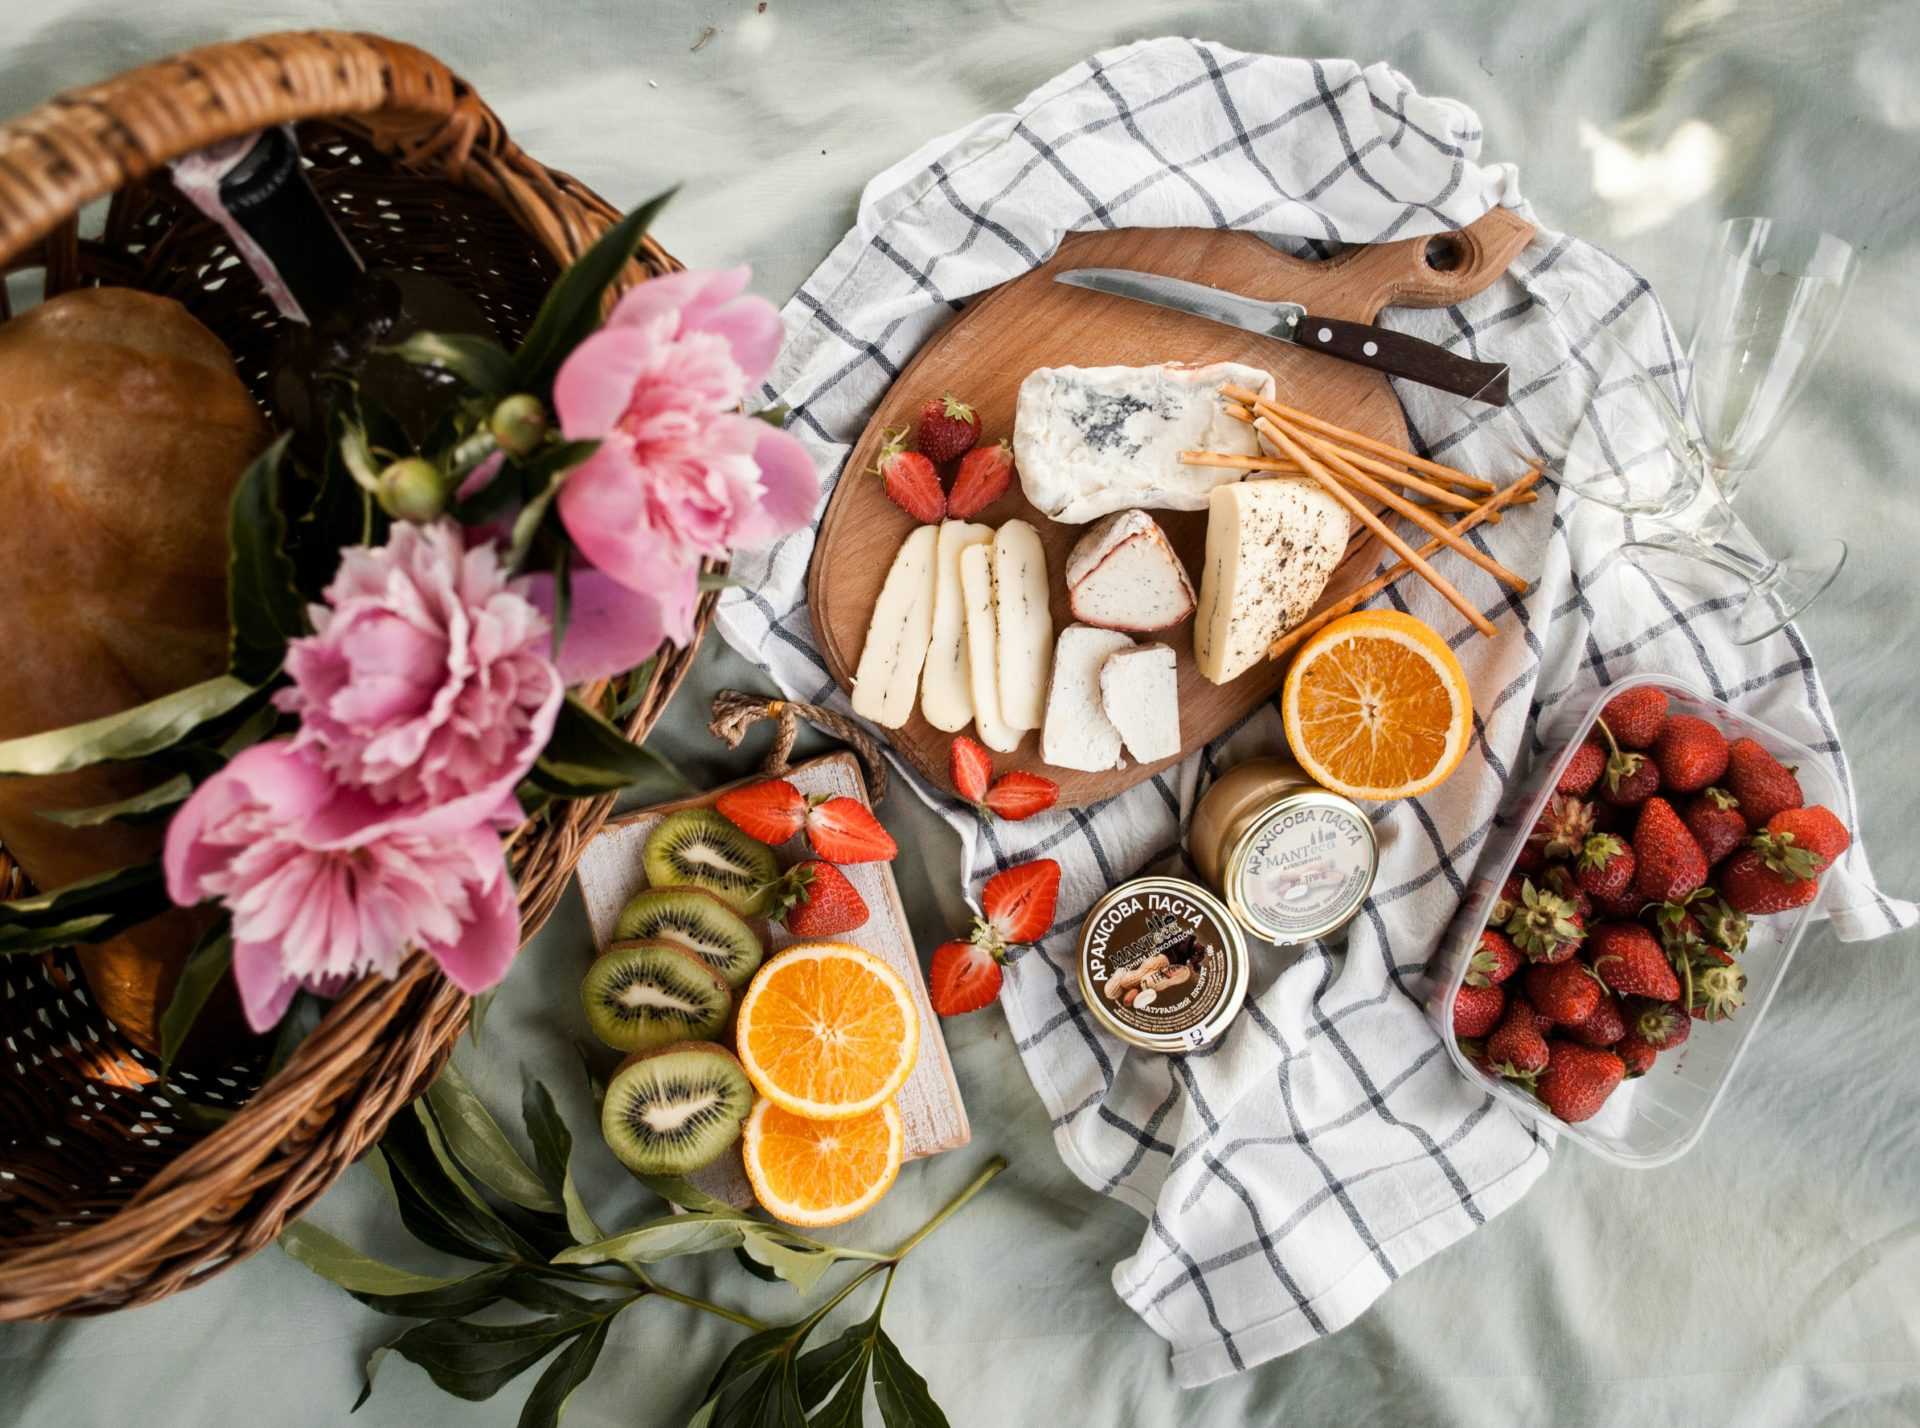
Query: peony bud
{"x": 519, "y": 424}
{"x": 412, "y": 490}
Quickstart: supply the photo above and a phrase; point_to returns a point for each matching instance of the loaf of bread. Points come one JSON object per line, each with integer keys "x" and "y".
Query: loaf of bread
{"x": 123, "y": 430}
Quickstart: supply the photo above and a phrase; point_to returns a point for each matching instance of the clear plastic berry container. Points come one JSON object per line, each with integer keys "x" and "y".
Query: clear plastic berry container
{"x": 1655, "y": 1118}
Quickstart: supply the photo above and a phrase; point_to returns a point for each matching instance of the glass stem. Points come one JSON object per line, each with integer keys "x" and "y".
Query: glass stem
{"x": 1719, "y": 537}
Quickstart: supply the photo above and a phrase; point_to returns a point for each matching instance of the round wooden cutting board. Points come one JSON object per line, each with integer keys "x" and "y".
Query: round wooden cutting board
{"x": 986, "y": 352}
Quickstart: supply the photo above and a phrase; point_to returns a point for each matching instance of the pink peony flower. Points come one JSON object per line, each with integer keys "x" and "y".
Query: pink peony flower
{"x": 427, "y": 677}
{"x": 324, "y": 883}
{"x": 679, "y": 475}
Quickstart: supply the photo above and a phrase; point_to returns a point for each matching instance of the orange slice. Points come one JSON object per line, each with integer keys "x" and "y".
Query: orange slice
{"x": 827, "y": 1031}
{"x": 1376, "y": 706}
{"x": 810, "y": 1172}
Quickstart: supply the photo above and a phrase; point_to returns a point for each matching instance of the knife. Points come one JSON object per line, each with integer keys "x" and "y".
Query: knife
{"x": 1394, "y": 353}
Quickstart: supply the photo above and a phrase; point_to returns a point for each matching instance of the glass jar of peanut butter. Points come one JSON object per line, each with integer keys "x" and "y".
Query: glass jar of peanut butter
{"x": 1291, "y": 860}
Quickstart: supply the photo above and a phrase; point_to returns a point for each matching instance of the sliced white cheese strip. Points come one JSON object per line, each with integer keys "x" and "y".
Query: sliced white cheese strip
{"x": 945, "y": 696}
{"x": 1271, "y": 544}
{"x": 983, "y": 649}
{"x": 1089, "y": 440}
{"x": 1124, "y": 575}
{"x": 897, "y": 634}
{"x": 1140, "y": 693}
{"x": 1078, "y": 734}
{"x": 1023, "y": 622}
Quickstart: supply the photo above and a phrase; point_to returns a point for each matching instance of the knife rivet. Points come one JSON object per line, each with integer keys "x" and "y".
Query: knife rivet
{"x": 1372, "y": 349}
{"x": 1325, "y": 334}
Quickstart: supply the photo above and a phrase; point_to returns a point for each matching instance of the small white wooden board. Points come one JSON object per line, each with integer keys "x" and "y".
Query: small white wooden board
{"x": 930, "y": 1107}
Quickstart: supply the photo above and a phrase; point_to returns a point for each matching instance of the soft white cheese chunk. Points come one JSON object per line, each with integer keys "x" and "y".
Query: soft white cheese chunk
{"x": 1271, "y": 544}
{"x": 1091, "y": 440}
{"x": 897, "y": 634}
{"x": 1024, "y": 623}
{"x": 1077, "y": 733}
{"x": 983, "y": 649}
{"x": 1123, "y": 574}
{"x": 1140, "y": 693}
{"x": 946, "y": 697}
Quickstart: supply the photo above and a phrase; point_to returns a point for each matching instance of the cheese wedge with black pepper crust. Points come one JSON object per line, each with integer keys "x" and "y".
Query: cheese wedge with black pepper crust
{"x": 1271, "y": 544}
{"x": 888, "y": 680}
{"x": 983, "y": 648}
{"x": 1023, "y": 623}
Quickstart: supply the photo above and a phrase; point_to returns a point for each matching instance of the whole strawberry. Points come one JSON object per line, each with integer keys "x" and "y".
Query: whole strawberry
{"x": 1719, "y": 988}
{"x": 1662, "y": 1025}
{"x": 1722, "y": 925}
{"x": 986, "y": 474}
{"x": 1763, "y": 784}
{"x": 1681, "y": 934}
{"x": 1759, "y": 880}
{"x": 1605, "y": 1025}
{"x": 1634, "y": 718}
{"x": 948, "y": 428}
{"x": 1629, "y": 960}
{"x": 1713, "y": 817}
{"x": 1562, "y": 827}
{"x": 1635, "y": 1055}
{"x": 1815, "y": 829}
{"x": 1604, "y": 868}
{"x": 1494, "y": 959}
{"x": 1564, "y": 991}
{"x": 1632, "y": 788}
{"x": 1506, "y": 901}
{"x": 1560, "y": 880}
{"x": 1578, "y": 1079}
{"x": 1689, "y": 752}
{"x": 1668, "y": 864}
{"x": 911, "y": 482}
{"x": 1545, "y": 926}
{"x": 1583, "y": 769}
{"x": 815, "y": 899}
{"x": 1476, "y": 1010}
{"x": 1517, "y": 1047}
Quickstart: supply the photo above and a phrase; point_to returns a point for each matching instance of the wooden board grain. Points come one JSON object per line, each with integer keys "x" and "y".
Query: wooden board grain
{"x": 985, "y": 353}
{"x": 932, "y": 1114}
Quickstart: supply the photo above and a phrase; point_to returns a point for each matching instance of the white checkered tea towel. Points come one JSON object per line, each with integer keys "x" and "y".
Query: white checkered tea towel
{"x": 1293, "y": 1171}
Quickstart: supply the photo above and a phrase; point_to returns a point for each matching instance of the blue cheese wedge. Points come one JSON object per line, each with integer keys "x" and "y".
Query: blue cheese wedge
{"x": 1089, "y": 441}
{"x": 1271, "y": 544}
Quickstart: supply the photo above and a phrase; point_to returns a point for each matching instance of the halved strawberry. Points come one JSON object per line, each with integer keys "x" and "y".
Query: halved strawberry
{"x": 963, "y": 977}
{"x": 814, "y": 899}
{"x": 1019, "y": 903}
{"x": 971, "y": 768}
{"x": 844, "y": 830}
{"x": 911, "y": 481}
{"x": 986, "y": 473}
{"x": 1017, "y": 795}
{"x": 772, "y": 811}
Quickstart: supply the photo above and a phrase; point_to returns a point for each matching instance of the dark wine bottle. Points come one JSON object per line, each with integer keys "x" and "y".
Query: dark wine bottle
{"x": 339, "y": 313}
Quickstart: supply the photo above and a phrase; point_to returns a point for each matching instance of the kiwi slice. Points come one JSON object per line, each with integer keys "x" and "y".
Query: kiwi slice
{"x": 675, "y": 1109}
{"x": 697, "y": 847}
{"x": 697, "y": 921}
{"x": 645, "y": 994}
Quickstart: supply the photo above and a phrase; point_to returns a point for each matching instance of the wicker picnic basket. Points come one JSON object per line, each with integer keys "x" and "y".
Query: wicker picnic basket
{"x": 116, "y": 1186}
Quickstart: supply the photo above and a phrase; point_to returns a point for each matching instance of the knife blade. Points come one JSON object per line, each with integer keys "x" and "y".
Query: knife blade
{"x": 1394, "y": 353}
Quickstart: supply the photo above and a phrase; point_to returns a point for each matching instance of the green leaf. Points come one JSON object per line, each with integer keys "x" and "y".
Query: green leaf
{"x": 572, "y": 307}
{"x": 479, "y": 362}
{"x": 206, "y": 964}
{"x": 717, "y": 580}
{"x": 450, "y": 1301}
{"x": 513, "y": 1231}
{"x": 553, "y": 1153}
{"x": 562, "y": 597}
{"x": 301, "y": 1021}
{"x": 341, "y": 1264}
{"x": 846, "y": 1361}
{"x": 264, "y": 609}
{"x": 904, "y": 1400}
{"x": 567, "y": 1372}
{"x": 373, "y": 1367}
{"x": 477, "y": 1012}
{"x": 93, "y": 928}
{"x": 135, "y": 809}
{"x": 90, "y": 910}
{"x": 658, "y": 1240}
{"x": 472, "y": 1361}
{"x": 774, "y": 416}
{"x": 636, "y": 683}
{"x": 531, "y": 1290}
{"x": 801, "y": 1266}
{"x": 546, "y": 472}
{"x": 769, "y": 1399}
{"x": 135, "y": 733}
{"x": 587, "y": 757}
{"x": 596, "y": 1083}
{"x": 479, "y": 1144}
{"x": 434, "y": 1209}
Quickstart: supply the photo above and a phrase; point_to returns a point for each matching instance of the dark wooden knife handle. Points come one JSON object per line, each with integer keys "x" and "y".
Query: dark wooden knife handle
{"x": 1399, "y": 355}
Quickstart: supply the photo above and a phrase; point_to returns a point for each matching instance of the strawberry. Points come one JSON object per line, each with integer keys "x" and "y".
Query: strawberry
{"x": 1559, "y": 879}
{"x": 1689, "y": 752}
{"x": 1562, "y": 827}
{"x": 948, "y": 428}
{"x": 1016, "y": 795}
{"x": 1476, "y": 1010}
{"x": 1719, "y": 988}
{"x": 1751, "y": 885}
{"x": 970, "y": 767}
{"x": 1583, "y": 769}
{"x": 985, "y": 474}
{"x": 1604, "y": 1026}
{"x": 1545, "y": 926}
{"x": 1668, "y": 864}
{"x": 1662, "y": 1025}
{"x": 912, "y": 483}
{"x": 841, "y": 830}
{"x": 1713, "y": 817}
{"x": 1722, "y": 926}
{"x": 1813, "y": 829}
{"x": 1019, "y": 902}
{"x": 1630, "y": 961}
{"x": 1517, "y": 1048}
{"x": 1507, "y": 900}
{"x": 1679, "y": 930}
{"x": 963, "y": 977}
{"x": 1566, "y": 991}
{"x": 1578, "y": 1079}
{"x": 1632, "y": 788}
{"x": 1530, "y": 859}
{"x": 1494, "y": 959}
{"x": 1635, "y": 1055}
{"x": 1763, "y": 784}
{"x": 1632, "y": 720}
{"x": 814, "y": 899}
{"x": 1604, "y": 868}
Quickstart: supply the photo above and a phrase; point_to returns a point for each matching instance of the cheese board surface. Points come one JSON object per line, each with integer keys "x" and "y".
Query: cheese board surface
{"x": 988, "y": 350}
{"x": 932, "y": 1114}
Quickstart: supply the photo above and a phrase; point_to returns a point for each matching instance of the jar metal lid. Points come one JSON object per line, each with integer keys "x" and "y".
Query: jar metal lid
{"x": 1163, "y": 964}
{"x": 1301, "y": 867}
